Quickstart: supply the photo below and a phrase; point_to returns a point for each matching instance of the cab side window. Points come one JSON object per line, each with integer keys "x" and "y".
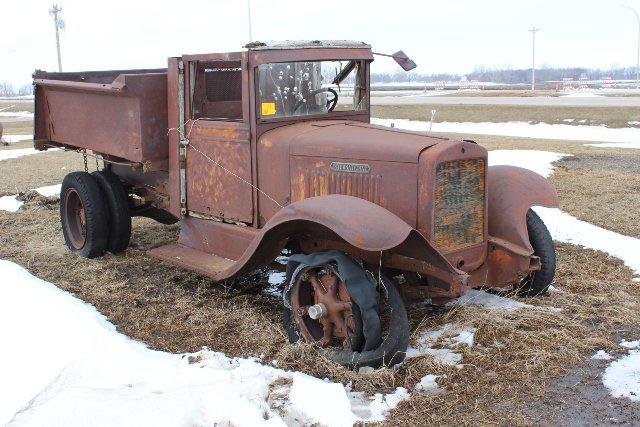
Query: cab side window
{"x": 217, "y": 90}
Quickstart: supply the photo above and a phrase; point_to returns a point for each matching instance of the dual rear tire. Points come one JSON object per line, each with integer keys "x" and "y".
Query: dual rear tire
{"x": 94, "y": 212}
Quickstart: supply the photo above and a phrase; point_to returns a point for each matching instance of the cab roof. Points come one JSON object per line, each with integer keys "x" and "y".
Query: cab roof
{"x": 306, "y": 44}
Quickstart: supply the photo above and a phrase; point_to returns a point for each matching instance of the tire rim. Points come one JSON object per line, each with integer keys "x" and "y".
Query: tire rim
{"x": 321, "y": 308}
{"x": 75, "y": 220}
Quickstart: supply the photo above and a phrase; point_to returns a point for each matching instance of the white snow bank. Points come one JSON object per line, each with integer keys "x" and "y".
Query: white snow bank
{"x": 441, "y": 343}
{"x": 622, "y": 376}
{"x": 20, "y": 152}
{"x": 566, "y": 228}
{"x": 64, "y": 363}
{"x": 21, "y": 114}
{"x": 634, "y": 145}
{"x": 522, "y": 129}
{"x": 540, "y": 162}
{"x": 10, "y": 203}
{"x": 581, "y": 95}
{"x": 12, "y": 139}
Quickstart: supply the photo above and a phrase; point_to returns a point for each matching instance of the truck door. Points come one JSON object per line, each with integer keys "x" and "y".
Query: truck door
{"x": 218, "y": 154}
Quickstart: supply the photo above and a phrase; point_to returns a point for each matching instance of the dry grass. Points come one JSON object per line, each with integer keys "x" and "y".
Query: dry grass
{"x": 615, "y": 117}
{"x": 37, "y": 170}
{"x": 606, "y": 198}
{"x": 17, "y": 105}
{"x": 516, "y": 355}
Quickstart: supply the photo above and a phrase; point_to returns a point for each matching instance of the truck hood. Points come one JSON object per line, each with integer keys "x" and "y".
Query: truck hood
{"x": 351, "y": 140}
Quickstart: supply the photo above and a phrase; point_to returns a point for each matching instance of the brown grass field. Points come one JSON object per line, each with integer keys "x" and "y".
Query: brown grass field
{"x": 517, "y": 371}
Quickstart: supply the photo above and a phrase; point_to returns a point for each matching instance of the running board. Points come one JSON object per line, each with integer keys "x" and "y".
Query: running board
{"x": 192, "y": 259}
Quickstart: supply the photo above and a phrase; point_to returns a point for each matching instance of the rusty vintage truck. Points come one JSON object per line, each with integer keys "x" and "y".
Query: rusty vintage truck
{"x": 269, "y": 151}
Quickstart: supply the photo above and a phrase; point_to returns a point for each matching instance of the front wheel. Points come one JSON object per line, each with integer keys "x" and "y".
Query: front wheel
{"x": 345, "y": 317}
{"x": 538, "y": 282}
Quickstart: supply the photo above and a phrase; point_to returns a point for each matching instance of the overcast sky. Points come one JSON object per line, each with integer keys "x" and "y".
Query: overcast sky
{"x": 445, "y": 36}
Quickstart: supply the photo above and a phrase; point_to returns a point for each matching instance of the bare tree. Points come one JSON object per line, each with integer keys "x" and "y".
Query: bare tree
{"x": 25, "y": 90}
{"x": 6, "y": 89}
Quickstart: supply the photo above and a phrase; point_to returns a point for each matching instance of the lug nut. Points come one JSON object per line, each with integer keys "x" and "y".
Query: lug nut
{"x": 317, "y": 311}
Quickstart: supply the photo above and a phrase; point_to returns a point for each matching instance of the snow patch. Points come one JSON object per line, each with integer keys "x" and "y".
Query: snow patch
{"x": 383, "y": 403}
{"x": 69, "y": 363}
{"x": 630, "y": 344}
{"x": 20, "y": 114}
{"x": 622, "y": 376}
{"x": 634, "y": 145}
{"x": 540, "y": 162}
{"x": 12, "y": 139}
{"x": 428, "y": 384}
{"x": 581, "y": 95}
{"x": 442, "y": 343}
{"x": 566, "y": 228}
{"x": 601, "y": 355}
{"x": 478, "y": 298}
{"x": 49, "y": 190}
{"x": 522, "y": 129}
{"x": 20, "y": 152}
{"x": 10, "y": 203}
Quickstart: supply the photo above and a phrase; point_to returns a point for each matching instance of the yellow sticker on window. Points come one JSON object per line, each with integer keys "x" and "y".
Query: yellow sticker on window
{"x": 268, "y": 108}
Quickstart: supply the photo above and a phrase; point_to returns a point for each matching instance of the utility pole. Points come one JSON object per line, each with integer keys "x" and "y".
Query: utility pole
{"x": 638, "y": 62}
{"x": 249, "y": 19}
{"x": 533, "y": 32}
{"x": 59, "y": 24}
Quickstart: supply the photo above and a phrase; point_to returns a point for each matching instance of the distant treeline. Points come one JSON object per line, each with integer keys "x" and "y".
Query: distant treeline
{"x": 7, "y": 89}
{"x": 508, "y": 76}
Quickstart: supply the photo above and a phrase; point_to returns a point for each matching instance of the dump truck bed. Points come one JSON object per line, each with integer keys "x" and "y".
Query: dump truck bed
{"x": 120, "y": 113}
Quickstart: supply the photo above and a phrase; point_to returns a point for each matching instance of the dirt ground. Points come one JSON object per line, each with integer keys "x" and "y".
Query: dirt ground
{"x": 527, "y": 367}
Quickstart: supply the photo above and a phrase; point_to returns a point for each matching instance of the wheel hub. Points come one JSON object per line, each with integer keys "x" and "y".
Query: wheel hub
{"x": 322, "y": 308}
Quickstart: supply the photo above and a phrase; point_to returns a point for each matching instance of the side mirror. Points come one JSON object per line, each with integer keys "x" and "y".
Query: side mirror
{"x": 401, "y": 58}
{"x": 404, "y": 61}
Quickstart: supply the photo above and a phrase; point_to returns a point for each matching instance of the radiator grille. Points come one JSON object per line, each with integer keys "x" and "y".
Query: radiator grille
{"x": 459, "y": 204}
{"x": 312, "y": 183}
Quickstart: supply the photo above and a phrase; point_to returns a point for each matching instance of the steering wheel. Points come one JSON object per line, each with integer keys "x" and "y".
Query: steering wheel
{"x": 331, "y": 103}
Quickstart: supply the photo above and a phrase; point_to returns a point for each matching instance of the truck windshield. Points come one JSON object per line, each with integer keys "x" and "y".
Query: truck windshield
{"x": 288, "y": 89}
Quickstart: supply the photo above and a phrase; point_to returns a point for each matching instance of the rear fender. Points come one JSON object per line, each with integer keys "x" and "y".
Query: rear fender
{"x": 358, "y": 222}
{"x": 512, "y": 191}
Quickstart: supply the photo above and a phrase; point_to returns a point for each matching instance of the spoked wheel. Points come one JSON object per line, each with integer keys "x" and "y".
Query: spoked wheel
{"x": 323, "y": 311}
{"x": 354, "y": 319}
{"x": 83, "y": 215}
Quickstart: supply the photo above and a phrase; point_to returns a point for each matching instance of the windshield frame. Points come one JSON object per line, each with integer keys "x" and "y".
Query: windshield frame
{"x": 362, "y": 55}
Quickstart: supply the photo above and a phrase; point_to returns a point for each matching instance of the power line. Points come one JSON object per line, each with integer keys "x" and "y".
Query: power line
{"x": 24, "y": 46}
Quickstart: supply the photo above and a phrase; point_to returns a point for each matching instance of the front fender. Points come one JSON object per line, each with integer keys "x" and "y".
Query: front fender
{"x": 358, "y": 222}
{"x": 511, "y": 192}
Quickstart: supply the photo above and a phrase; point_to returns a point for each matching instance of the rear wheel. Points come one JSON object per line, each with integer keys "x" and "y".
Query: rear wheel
{"x": 83, "y": 214}
{"x": 538, "y": 282}
{"x": 119, "y": 217}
